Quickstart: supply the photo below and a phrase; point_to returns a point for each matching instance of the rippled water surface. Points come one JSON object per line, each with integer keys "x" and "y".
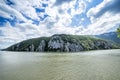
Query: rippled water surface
{"x": 91, "y": 65}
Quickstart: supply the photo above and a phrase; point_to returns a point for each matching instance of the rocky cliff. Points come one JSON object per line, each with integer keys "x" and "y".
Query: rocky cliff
{"x": 61, "y": 43}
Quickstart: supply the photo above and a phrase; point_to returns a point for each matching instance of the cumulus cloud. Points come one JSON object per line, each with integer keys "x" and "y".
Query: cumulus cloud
{"x": 60, "y": 15}
{"x": 26, "y": 7}
{"x": 102, "y": 25}
{"x": 111, "y": 6}
{"x": 80, "y": 8}
{"x": 6, "y": 11}
{"x": 103, "y": 17}
{"x": 21, "y": 32}
{"x": 9, "y": 35}
{"x": 22, "y": 10}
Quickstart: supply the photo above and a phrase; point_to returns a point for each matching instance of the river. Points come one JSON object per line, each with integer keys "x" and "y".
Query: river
{"x": 88, "y": 65}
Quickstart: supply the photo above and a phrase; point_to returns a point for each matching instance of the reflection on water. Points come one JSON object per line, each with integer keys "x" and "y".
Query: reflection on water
{"x": 92, "y": 65}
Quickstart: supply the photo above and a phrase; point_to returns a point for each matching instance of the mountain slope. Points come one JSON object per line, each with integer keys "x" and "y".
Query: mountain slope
{"x": 61, "y": 43}
{"x": 111, "y": 36}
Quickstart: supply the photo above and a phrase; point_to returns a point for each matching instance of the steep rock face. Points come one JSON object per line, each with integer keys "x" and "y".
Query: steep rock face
{"x": 41, "y": 46}
{"x": 61, "y": 43}
{"x": 31, "y": 47}
{"x": 103, "y": 44}
{"x": 73, "y": 47}
{"x": 55, "y": 44}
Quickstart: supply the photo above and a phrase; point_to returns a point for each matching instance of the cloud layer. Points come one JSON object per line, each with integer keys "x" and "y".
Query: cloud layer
{"x": 20, "y": 20}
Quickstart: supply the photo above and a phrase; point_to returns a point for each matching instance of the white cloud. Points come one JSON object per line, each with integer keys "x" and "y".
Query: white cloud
{"x": 21, "y": 32}
{"x": 101, "y": 23}
{"x": 8, "y": 11}
{"x": 81, "y": 8}
{"x": 60, "y": 16}
{"x": 95, "y": 10}
{"x": 10, "y": 36}
{"x": 26, "y": 7}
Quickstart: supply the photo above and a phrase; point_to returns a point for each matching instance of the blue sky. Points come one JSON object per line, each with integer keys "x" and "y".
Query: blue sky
{"x": 24, "y": 19}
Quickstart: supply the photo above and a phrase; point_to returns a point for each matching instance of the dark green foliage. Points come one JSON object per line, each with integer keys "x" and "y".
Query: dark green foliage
{"x": 27, "y": 43}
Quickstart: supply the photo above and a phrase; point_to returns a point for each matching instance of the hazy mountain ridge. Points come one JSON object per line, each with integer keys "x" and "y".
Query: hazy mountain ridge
{"x": 62, "y": 43}
{"x": 111, "y": 36}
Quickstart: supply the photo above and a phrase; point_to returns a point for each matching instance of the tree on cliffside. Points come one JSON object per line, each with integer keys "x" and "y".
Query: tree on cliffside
{"x": 118, "y": 31}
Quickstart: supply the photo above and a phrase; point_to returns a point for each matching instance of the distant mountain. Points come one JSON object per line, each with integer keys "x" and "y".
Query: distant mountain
{"x": 62, "y": 43}
{"x": 111, "y": 36}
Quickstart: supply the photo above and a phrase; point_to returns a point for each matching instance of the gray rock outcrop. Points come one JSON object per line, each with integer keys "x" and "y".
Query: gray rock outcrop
{"x": 41, "y": 46}
{"x": 56, "y": 43}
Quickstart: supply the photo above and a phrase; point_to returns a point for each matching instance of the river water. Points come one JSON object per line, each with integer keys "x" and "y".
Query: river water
{"x": 89, "y": 65}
